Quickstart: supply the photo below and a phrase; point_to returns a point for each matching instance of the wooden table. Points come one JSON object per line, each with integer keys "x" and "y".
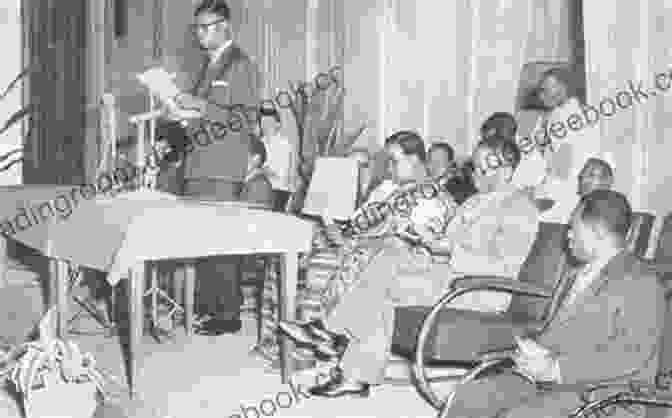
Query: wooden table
{"x": 133, "y": 233}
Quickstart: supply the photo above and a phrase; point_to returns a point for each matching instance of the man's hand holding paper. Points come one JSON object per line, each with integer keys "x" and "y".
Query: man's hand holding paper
{"x": 176, "y": 105}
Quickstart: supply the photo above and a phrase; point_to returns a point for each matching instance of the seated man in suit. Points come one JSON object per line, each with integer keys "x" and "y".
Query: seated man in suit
{"x": 491, "y": 233}
{"x": 257, "y": 187}
{"x": 606, "y": 329}
{"x": 442, "y": 164}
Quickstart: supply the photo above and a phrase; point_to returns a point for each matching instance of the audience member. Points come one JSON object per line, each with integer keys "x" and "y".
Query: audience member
{"x": 281, "y": 165}
{"x": 595, "y": 175}
{"x": 442, "y": 164}
{"x": 565, "y": 150}
{"x": 491, "y": 233}
{"x": 607, "y": 328}
{"x": 257, "y": 187}
{"x": 499, "y": 124}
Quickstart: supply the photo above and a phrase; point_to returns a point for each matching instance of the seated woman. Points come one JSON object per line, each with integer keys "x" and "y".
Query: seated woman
{"x": 564, "y": 148}
{"x": 490, "y": 234}
{"x": 397, "y": 209}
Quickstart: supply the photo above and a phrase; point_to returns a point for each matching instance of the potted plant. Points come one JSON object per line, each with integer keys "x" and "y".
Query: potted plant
{"x": 53, "y": 377}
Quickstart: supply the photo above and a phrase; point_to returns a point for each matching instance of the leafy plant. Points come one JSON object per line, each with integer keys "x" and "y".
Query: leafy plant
{"x": 49, "y": 360}
{"x": 318, "y": 114}
{"x": 13, "y": 119}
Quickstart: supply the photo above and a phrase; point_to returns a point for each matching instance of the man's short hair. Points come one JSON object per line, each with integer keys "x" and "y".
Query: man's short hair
{"x": 445, "y": 147}
{"x": 499, "y": 120}
{"x": 216, "y": 7}
{"x": 269, "y": 112}
{"x": 410, "y": 143}
{"x": 505, "y": 150}
{"x": 604, "y": 166}
{"x": 257, "y": 147}
{"x": 609, "y": 208}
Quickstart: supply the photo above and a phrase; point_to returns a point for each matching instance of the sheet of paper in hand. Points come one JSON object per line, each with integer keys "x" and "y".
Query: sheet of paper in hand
{"x": 160, "y": 83}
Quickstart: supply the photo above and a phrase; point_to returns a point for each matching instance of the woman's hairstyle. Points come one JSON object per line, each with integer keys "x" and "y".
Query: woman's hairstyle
{"x": 216, "y": 7}
{"x": 410, "y": 143}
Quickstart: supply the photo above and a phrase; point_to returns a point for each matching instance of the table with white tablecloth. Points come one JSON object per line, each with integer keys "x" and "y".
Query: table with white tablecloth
{"x": 119, "y": 234}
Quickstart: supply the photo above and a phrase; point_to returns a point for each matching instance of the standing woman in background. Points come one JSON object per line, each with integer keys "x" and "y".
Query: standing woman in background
{"x": 564, "y": 149}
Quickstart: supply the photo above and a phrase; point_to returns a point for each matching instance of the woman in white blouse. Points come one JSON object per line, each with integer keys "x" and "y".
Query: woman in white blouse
{"x": 565, "y": 141}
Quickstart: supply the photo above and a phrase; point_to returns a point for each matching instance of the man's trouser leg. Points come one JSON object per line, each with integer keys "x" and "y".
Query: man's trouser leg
{"x": 491, "y": 395}
{"x": 218, "y": 277}
{"x": 367, "y": 314}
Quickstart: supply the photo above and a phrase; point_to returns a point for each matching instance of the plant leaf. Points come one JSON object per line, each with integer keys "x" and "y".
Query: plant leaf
{"x": 17, "y": 117}
{"x": 6, "y": 155}
{"x": 10, "y": 164}
{"x": 15, "y": 82}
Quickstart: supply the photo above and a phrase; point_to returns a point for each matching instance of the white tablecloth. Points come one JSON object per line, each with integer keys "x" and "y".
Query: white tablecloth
{"x": 114, "y": 234}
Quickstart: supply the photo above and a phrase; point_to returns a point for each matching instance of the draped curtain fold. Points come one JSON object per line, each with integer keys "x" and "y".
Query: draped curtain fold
{"x": 624, "y": 48}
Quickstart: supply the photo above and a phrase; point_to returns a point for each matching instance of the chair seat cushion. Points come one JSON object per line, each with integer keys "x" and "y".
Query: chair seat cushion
{"x": 459, "y": 335}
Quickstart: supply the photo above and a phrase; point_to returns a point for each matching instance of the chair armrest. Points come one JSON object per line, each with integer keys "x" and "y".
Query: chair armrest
{"x": 502, "y": 284}
{"x": 642, "y": 394}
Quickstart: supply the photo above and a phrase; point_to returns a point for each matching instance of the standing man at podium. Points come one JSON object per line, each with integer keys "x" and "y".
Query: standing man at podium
{"x": 216, "y": 170}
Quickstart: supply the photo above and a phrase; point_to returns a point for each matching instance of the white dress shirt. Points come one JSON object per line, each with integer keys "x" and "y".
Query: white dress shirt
{"x": 565, "y": 160}
{"x": 281, "y": 163}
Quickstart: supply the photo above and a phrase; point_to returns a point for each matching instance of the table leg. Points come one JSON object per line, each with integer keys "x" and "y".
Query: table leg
{"x": 4, "y": 262}
{"x": 58, "y": 294}
{"x": 287, "y": 309}
{"x": 189, "y": 289}
{"x": 136, "y": 277}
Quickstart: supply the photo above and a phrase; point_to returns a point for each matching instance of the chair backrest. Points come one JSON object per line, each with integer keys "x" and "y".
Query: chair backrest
{"x": 544, "y": 266}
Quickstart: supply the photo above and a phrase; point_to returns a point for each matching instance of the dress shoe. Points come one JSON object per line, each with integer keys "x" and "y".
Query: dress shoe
{"x": 338, "y": 386}
{"x": 216, "y": 327}
{"x": 325, "y": 343}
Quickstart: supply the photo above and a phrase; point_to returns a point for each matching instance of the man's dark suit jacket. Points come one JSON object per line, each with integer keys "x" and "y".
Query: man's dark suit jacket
{"x": 231, "y": 80}
{"x": 610, "y": 334}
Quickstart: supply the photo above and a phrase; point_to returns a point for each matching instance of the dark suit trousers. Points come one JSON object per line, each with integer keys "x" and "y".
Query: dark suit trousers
{"x": 217, "y": 278}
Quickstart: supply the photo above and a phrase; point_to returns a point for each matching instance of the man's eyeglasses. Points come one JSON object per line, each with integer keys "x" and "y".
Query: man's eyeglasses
{"x": 195, "y": 27}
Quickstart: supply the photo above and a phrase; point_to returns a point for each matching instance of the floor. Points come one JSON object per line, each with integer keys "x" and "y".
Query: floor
{"x": 216, "y": 377}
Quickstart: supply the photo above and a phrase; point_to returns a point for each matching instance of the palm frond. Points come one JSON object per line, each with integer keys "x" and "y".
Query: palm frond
{"x": 15, "y": 82}
{"x": 11, "y": 164}
{"x": 17, "y": 117}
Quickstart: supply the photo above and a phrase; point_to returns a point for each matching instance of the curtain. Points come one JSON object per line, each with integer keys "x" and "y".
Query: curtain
{"x": 627, "y": 44}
